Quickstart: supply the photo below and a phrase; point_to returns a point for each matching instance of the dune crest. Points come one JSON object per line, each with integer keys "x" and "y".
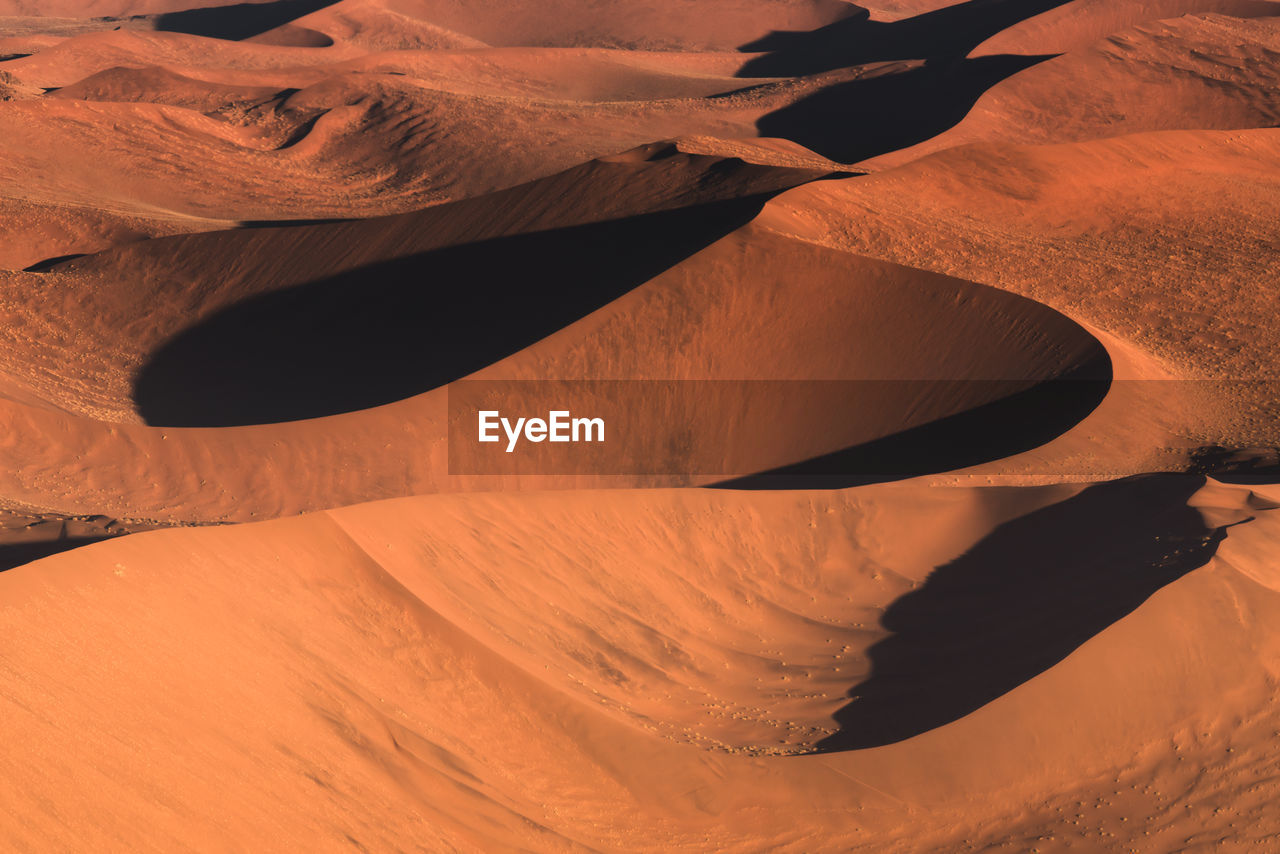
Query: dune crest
{"x": 562, "y": 747}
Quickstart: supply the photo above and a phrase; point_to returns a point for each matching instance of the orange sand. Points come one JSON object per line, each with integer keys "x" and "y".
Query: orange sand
{"x": 246, "y": 252}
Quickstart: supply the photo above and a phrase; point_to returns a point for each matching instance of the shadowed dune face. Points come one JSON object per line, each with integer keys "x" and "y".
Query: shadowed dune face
{"x": 387, "y": 332}
{"x": 396, "y": 125}
{"x": 1018, "y": 602}
{"x": 976, "y": 27}
{"x": 749, "y": 306}
{"x": 135, "y": 313}
{"x": 921, "y": 348}
{"x": 884, "y": 112}
{"x": 943, "y": 35}
{"x": 392, "y": 330}
{"x": 243, "y": 21}
{"x": 635, "y": 197}
{"x": 898, "y": 106}
{"x": 990, "y": 430}
{"x": 607, "y": 648}
{"x": 1206, "y": 71}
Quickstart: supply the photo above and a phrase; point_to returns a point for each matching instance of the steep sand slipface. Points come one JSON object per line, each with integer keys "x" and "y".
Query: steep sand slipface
{"x": 811, "y": 314}
{"x": 1163, "y": 240}
{"x": 1198, "y": 71}
{"x": 305, "y": 134}
{"x": 1155, "y": 243}
{"x": 163, "y": 464}
{"x": 426, "y": 123}
{"x": 718, "y": 25}
{"x": 1077, "y": 24}
{"x": 467, "y": 671}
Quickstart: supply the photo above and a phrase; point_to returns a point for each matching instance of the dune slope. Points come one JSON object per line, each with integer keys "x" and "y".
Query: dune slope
{"x": 627, "y": 693}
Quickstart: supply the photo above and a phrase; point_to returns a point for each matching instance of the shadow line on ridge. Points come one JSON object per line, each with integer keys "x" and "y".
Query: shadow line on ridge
{"x": 239, "y": 21}
{"x": 889, "y": 108}
{"x": 389, "y": 331}
{"x": 993, "y": 431}
{"x": 944, "y": 34}
{"x": 856, "y": 120}
{"x": 1022, "y": 600}
{"x": 14, "y": 555}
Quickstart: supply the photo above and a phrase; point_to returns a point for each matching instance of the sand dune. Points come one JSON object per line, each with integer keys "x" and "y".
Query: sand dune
{"x": 935, "y": 342}
{"x": 101, "y": 8}
{"x": 1185, "y": 212}
{"x": 716, "y": 25}
{"x": 402, "y": 126}
{"x": 1070, "y": 26}
{"x": 656, "y": 735}
{"x": 1104, "y": 232}
{"x": 276, "y": 133}
{"x": 1195, "y": 72}
{"x": 190, "y": 380}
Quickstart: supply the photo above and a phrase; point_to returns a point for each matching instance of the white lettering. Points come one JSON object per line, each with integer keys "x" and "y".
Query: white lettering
{"x": 558, "y": 427}
{"x": 587, "y": 424}
{"x": 488, "y": 421}
{"x": 512, "y": 435}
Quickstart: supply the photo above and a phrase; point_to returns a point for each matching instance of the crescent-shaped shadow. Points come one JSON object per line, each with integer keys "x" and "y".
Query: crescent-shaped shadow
{"x": 388, "y": 331}
{"x": 1020, "y": 601}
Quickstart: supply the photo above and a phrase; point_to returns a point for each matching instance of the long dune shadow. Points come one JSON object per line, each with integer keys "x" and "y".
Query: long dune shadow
{"x": 49, "y": 263}
{"x": 859, "y": 119}
{"x": 1247, "y": 465}
{"x": 1021, "y": 601}
{"x": 14, "y": 555}
{"x": 993, "y": 431}
{"x": 944, "y": 34}
{"x": 892, "y": 108}
{"x": 239, "y": 21}
{"x": 395, "y": 329}
{"x": 26, "y": 537}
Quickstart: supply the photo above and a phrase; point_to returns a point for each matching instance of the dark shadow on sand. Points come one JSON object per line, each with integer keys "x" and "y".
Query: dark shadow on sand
{"x": 1011, "y": 425}
{"x": 14, "y": 555}
{"x": 936, "y": 37}
{"x": 1248, "y": 465}
{"x": 859, "y": 119}
{"x": 1021, "y": 601}
{"x": 49, "y": 263}
{"x": 389, "y": 331}
{"x": 888, "y": 109}
{"x": 239, "y": 21}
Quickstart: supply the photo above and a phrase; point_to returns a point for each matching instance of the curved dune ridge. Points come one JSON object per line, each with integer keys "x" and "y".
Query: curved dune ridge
{"x": 988, "y": 561}
{"x": 1197, "y": 71}
{"x": 387, "y": 127}
{"x": 615, "y": 671}
{"x": 810, "y": 314}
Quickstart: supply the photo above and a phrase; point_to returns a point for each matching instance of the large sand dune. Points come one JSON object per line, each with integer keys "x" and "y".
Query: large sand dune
{"x": 626, "y": 671}
{"x": 941, "y": 337}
